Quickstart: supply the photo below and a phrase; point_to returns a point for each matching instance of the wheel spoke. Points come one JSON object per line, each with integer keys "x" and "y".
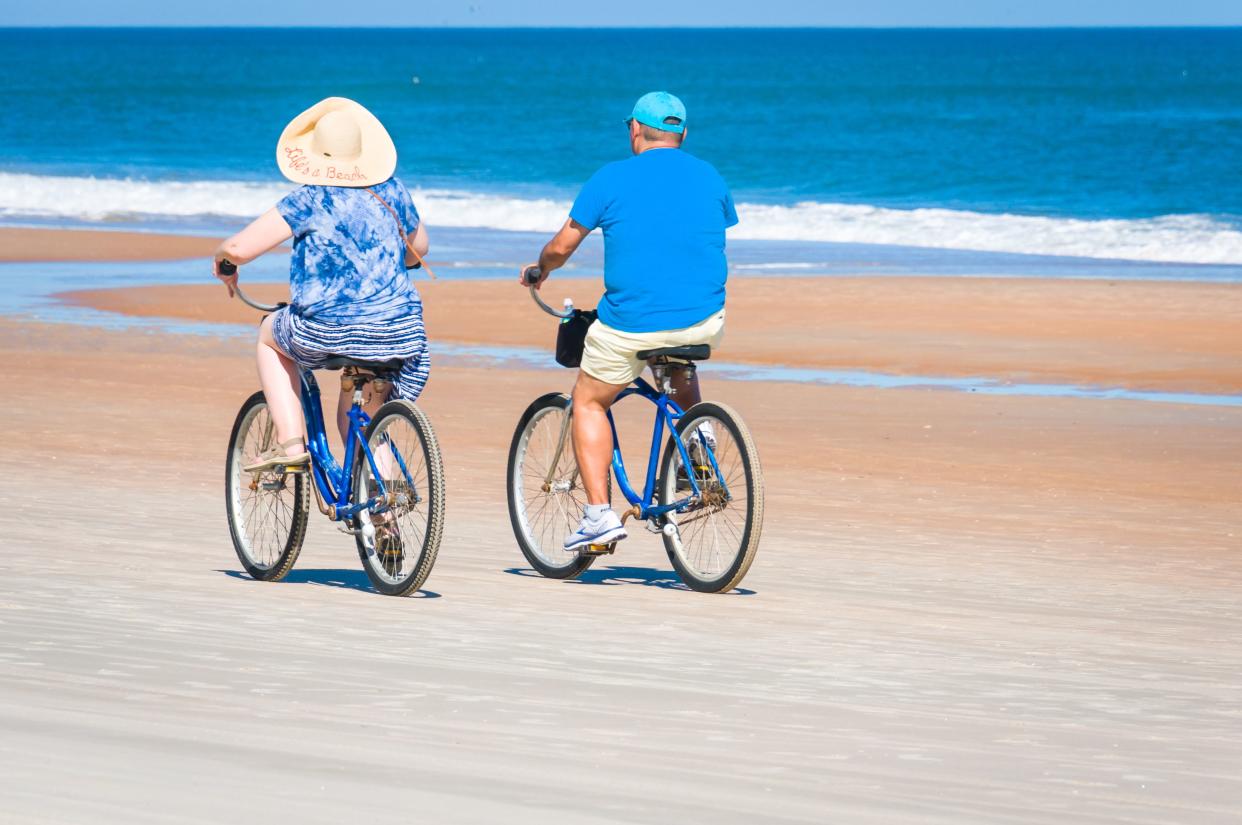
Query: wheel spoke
{"x": 545, "y": 516}
{"x": 406, "y": 537}
{"x": 265, "y": 520}
{"x": 712, "y": 535}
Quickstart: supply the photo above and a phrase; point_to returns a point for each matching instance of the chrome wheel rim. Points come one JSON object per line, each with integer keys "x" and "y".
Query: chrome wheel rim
{"x": 710, "y": 535}
{"x": 547, "y": 512}
{"x": 401, "y": 528}
{"x": 264, "y": 503}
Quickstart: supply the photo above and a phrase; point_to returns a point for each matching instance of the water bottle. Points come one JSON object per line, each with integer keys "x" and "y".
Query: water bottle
{"x": 569, "y": 310}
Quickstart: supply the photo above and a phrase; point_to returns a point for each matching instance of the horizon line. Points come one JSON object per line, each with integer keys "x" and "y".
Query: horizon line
{"x": 618, "y": 27}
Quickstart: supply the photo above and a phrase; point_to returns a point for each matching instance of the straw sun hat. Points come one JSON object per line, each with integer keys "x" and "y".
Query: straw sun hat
{"x": 336, "y": 142}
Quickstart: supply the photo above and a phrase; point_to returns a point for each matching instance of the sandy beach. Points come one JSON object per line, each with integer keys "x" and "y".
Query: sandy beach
{"x": 965, "y": 608}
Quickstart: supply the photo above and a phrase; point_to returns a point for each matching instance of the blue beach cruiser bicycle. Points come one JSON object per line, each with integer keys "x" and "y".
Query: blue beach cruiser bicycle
{"x": 703, "y": 492}
{"x": 388, "y": 492}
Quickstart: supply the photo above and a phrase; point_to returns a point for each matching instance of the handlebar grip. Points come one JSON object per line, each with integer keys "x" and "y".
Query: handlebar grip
{"x": 531, "y": 275}
{"x": 227, "y": 267}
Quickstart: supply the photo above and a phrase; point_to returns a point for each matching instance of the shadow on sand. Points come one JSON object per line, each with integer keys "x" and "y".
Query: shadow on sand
{"x": 613, "y": 575}
{"x": 348, "y": 579}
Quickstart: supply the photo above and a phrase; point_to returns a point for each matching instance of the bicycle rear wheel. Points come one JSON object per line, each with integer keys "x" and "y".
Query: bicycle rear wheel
{"x": 267, "y": 510}
{"x": 409, "y": 528}
{"x": 713, "y": 540}
{"x": 543, "y": 513}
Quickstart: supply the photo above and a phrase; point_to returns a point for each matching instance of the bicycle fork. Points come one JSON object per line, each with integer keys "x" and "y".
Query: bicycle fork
{"x": 560, "y": 451}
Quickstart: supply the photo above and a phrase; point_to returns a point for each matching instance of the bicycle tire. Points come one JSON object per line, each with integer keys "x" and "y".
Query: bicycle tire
{"x": 267, "y": 544}
{"x": 424, "y": 525}
{"x": 746, "y": 534}
{"x": 540, "y": 539}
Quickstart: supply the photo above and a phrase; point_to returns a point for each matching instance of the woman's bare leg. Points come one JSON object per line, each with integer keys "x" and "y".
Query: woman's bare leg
{"x": 279, "y": 377}
{"x": 371, "y": 402}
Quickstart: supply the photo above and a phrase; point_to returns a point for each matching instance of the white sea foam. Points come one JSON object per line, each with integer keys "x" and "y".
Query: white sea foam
{"x": 1170, "y": 238}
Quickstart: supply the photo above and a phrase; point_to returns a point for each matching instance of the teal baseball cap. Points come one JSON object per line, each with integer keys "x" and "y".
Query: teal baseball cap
{"x": 652, "y": 109}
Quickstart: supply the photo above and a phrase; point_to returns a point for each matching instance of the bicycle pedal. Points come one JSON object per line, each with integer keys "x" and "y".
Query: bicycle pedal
{"x": 599, "y": 549}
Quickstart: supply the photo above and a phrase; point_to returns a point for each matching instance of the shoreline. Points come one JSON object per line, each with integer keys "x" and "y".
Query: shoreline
{"x": 1140, "y": 336}
{"x": 1145, "y": 336}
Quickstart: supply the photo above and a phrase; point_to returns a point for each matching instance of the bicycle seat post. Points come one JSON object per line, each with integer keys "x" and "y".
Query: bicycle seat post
{"x": 660, "y": 372}
{"x": 350, "y": 379}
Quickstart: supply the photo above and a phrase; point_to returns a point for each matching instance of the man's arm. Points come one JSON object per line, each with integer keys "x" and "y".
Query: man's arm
{"x": 558, "y": 250}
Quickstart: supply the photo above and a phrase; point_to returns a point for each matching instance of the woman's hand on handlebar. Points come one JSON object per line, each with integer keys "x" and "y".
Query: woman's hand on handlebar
{"x": 226, "y": 271}
{"x": 532, "y": 275}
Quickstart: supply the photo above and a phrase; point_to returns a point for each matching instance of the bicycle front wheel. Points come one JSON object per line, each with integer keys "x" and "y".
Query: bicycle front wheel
{"x": 546, "y": 497}
{"x": 266, "y": 509}
{"x": 713, "y": 540}
{"x": 408, "y": 527}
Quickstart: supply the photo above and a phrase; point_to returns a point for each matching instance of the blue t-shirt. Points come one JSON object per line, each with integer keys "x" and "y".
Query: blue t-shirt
{"x": 348, "y": 263}
{"x": 664, "y": 215}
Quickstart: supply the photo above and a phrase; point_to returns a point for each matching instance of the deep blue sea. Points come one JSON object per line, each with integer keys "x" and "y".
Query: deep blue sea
{"x": 1087, "y": 145}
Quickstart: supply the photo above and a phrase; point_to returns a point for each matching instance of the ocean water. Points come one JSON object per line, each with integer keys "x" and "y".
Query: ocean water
{"x": 892, "y": 150}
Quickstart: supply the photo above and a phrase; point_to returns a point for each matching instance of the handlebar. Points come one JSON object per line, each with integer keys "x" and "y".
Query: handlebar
{"x": 227, "y": 267}
{"x": 237, "y": 290}
{"x": 531, "y": 277}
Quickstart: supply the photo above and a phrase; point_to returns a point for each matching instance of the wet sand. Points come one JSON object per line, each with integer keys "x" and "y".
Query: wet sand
{"x": 965, "y": 608}
{"x": 1164, "y": 336}
{"x": 21, "y": 244}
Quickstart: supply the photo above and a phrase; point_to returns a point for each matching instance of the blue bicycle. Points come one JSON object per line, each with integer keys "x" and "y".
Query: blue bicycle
{"x": 703, "y": 493}
{"x": 388, "y": 492}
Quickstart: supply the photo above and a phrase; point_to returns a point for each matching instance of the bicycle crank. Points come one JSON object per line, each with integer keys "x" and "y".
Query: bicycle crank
{"x": 365, "y": 529}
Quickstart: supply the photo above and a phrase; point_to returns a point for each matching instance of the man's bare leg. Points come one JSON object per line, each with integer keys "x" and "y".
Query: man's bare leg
{"x": 592, "y": 435}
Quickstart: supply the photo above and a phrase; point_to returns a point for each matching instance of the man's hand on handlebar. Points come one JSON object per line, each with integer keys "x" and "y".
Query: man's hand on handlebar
{"x": 532, "y": 275}
{"x": 226, "y": 271}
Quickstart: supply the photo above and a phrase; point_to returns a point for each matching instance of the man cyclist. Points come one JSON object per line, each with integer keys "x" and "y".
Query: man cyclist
{"x": 664, "y": 214}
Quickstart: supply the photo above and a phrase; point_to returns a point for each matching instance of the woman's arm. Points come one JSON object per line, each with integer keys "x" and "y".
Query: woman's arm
{"x": 421, "y": 245}
{"x": 265, "y": 232}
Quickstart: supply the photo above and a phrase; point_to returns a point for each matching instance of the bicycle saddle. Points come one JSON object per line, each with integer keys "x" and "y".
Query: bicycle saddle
{"x": 697, "y": 352}
{"x": 338, "y": 362}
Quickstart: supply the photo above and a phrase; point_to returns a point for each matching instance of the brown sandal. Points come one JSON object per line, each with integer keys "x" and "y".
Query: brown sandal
{"x": 279, "y": 456}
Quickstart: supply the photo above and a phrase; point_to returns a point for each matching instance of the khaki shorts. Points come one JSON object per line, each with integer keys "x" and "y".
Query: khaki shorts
{"x": 610, "y": 354}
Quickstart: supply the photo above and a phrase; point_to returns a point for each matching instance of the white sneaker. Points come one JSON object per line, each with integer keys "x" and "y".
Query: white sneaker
{"x": 705, "y": 433}
{"x": 604, "y": 530}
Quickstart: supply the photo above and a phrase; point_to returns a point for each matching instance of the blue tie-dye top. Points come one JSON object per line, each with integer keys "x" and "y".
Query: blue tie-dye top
{"x": 348, "y": 262}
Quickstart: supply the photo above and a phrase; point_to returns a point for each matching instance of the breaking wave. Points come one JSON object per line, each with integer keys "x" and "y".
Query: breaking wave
{"x": 1207, "y": 239}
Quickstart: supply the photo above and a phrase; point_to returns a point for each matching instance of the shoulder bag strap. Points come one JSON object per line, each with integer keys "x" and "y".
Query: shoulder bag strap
{"x": 406, "y": 241}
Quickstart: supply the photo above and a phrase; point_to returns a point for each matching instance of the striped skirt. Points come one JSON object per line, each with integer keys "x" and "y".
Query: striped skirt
{"x": 310, "y": 343}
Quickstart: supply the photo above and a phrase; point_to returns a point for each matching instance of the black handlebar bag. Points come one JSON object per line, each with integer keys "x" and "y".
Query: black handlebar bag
{"x": 571, "y": 337}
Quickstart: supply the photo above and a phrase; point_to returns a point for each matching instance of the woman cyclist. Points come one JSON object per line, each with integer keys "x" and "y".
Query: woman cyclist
{"x": 355, "y": 233}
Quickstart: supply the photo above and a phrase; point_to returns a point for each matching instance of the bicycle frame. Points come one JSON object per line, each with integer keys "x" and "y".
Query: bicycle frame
{"x": 667, "y": 414}
{"x": 332, "y": 480}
